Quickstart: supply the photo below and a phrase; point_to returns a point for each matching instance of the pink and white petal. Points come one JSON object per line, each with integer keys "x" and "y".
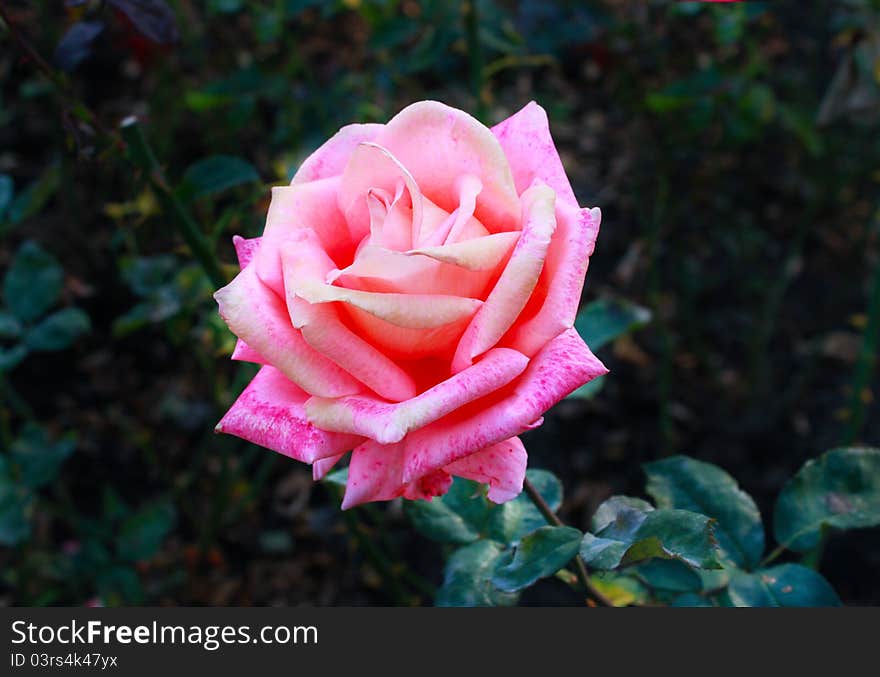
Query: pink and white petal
{"x": 528, "y": 145}
{"x": 372, "y": 167}
{"x": 404, "y": 343}
{"x": 304, "y": 261}
{"x": 383, "y": 270}
{"x": 245, "y": 248}
{"x": 438, "y": 144}
{"x": 564, "y": 365}
{"x": 484, "y": 253}
{"x": 502, "y": 466}
{"x": 260, "y": 318}
{"x": 269, "y": 412}
{"x": 330, "y": 159}
{"x": 410, "y": 311}
{"x": 449, "y": 230}
{"x": 374, "y": 474}
{"x": 322, "y": 466}
{"x": 244, "y": 353}
{"x": 308, "y": 205}
{"x": 516, "y": 284}
{"x": 559, "y": 289}
{"x": 388, "y": 423}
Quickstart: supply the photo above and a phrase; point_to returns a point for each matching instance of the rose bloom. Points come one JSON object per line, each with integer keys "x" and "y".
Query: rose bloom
{"x": 412, "y": 300}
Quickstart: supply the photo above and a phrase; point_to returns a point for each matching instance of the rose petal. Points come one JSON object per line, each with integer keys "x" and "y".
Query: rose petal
{"x": 502, "y": 466}
{"x": 260, "y": 318}
{"x": 270, "y": 413}
{"x": 438, "y": 144}
{"x": 451, "y": 229}
{"x": 515, "y": 286}
{"x": 388, "y": 423}
{"x": 564, "y": 364}
{"x": 302, "y": 259}
{"x": 484, "y": 253}
{"x": 322, "y": 466}
{"x": 404, "y": 343}
{"x": 412, "y": 311}
{"x": 374, "y": 474}
{"x": 245, "y": 248}
{"x": 308, "y": 205}
{"x": 244, "y": 353}
{"x": 330, "y": 159}
{"x": 558, "y": 293}
{"x": 528, "y": 145}
{"x": 372, "y": 167}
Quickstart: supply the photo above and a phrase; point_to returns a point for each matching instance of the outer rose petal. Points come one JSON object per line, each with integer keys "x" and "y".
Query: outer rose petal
{"x": 324, "y": 465}
{"x": 330, "y": 159}
{"x": 515, "y": 286}
{"x": 388, "y": 423}
{"x": 374, "y": 474}
{"x": 502, "y": 466}
{"x": 525, "y": 138}
{"x": 558, "y": 293}
{"x": 309, "y": 205}
{"x": 438, "y": 144}
{"x": 244, "y": 353}
{"x": 245, "y": 248}
{"x": 270, "y": 413}
{"x": 563, "y": 365}
{"x": 256, "y": 315}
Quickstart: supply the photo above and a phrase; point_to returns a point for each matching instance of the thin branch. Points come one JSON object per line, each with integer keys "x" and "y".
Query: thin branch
{"x": 581, "y": 568}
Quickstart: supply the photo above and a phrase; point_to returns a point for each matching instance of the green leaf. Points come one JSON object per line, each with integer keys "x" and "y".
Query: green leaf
{"x": 438, "y": 521}
{"x": 786, "y": 585}
{"x": 682, "y": 482}
{"x": 141, "y": 534}
{"x": 510, "y": 521}
{"x": 33, "y": 282}
{"x": 629, "y": 531}
{"x": 669, "y": 575}
{"x": 690, "y": 599}
{"x": 468, "y": 574}
{"x": 58, "y": 330}
{"x": 7, "y": 190}
{"x": 9, "y": 358}
{"x": 840, "y": 489}
{"x": 604, "y": 320}
{"x": 215, "y": 174}
{"x": 542, "y": 553}
{"x": 38, "y": 457}
{"x": 10, "y": 327}
{"x": 617, "y": 508}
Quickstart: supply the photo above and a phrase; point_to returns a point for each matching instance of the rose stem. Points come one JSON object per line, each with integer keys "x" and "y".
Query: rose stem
{"x": 581, "y": 568}
{"x": 142, "y": 156}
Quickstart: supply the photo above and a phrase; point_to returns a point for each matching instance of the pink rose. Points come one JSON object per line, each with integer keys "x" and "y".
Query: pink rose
{"x": 412, "y": 299}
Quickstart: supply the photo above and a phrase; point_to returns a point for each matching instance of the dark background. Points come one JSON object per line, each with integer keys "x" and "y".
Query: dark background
{"x": 733, "y": 150}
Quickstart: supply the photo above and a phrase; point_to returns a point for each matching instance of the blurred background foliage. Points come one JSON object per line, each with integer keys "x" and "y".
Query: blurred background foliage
{"x": 733, "y": 150}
